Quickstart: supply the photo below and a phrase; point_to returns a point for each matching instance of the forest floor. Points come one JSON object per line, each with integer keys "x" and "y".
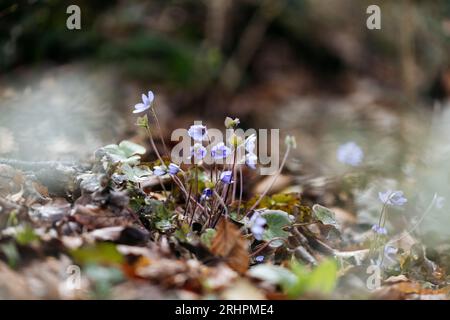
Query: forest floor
{"x": 105, "y": 224}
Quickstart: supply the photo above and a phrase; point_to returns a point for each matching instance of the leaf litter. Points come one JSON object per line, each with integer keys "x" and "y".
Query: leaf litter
{"x": 119, "y": 231}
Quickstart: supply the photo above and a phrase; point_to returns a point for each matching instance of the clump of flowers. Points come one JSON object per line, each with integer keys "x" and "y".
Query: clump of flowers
{"x": 209, "y": 190}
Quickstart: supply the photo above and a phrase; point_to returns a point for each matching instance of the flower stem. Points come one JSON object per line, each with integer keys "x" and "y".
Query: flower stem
{"x": 274, "y": 179}
{"x": 160, "y": 131}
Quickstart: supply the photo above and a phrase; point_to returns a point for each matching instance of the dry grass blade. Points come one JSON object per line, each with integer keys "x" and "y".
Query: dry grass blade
{"x": 231, "y": 245}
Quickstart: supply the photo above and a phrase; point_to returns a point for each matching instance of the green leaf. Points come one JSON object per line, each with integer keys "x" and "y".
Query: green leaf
{"x": 142, "y": 121}
{"x": 273, "y": 274}
{"x": 126, "y": 152}
{"x": 276, "y": 221}
{"x": 26, "y": 235}
{"x": 102, "y": 253}
{"x": 136, "y": 173}
{"x": 103, "y": 279}
{"x": 324, "y": 215}
{"x": 130, "y": 148}
{"x": 163, "y": 225}
{"x": 207, "y": 237}
{"x": 320, "y": 280}
{"x": 11, "y": 253}
{"x": 298, "y": 279}
{"x": 183, "y": 232}
{"x": 323, "y": 277}
{"x": 162, "y": 216}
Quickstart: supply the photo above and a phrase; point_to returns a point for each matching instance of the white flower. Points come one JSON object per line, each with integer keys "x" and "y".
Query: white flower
{"x": 251, "y": 160}
{"x": 250, "y": 143}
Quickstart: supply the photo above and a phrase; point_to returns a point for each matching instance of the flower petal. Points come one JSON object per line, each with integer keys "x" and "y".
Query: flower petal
{"x": 150, "y": 96}
{"x": 144, "y": 99}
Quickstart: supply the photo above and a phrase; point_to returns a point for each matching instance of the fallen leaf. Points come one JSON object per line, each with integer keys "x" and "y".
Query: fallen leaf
{"x": 231, "y": 245}
{"x": 411, "y": 291}
{"x": 52, "y": 211}
{"x": 94, "y": 217}
{"x": 395, "y": 279}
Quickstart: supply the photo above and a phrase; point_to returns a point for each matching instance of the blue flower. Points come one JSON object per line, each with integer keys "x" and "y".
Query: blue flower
{"x": 350, "y": 153}
{"x": 198, "y": 151}
{"x": 259, "y": 258}
{"x": 198, "y": 132}
{"x": 378, "y": 229}
{"x": 440, "y": 201}
{"x": 206, "y": 194}
{"x": 393, "y": 198}
{"x": 257, "y": 225}
{"x": 226, "y": 177}
{"x": 250, "y": 143}
{"x": 220, "y": 151}
{"x": 173, "y": 169}
{"x": 159, "y": 170}
{"x": 390, "y": 255}
{"x": 146, "y": 102}
{"x": 251, "y": 160}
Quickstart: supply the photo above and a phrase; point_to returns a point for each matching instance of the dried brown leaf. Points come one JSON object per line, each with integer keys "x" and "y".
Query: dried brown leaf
{"x": 229, "y": 244}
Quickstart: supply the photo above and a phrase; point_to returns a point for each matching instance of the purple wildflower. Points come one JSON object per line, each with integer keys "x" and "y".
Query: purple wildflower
{"x": 259, "y": 258}
{"x": 257, "y": 225}
{"x": 198, "y": 151}
{"x": 198, "y": 132}
{"x": 173, "y": 168}
{"x": 378, "y": 229}
{"x": 146, "y": 102}
{"x": 251, "y": 160}
{"x": 440, "y": 201}
{"x": 159, "y": 170}
{"x": 389, "y": 254}
{"x": 220, "y": 151}
{"x": 206, "y": 194}
{"x": 350, "y": 153}
{"x": 393, "y": 198}
{"x": 226, "y": 177}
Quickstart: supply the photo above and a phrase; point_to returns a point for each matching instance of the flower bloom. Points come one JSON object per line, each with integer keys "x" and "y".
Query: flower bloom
{"x": 393, "y": 198}
{"x": 390, "y": 255}
{"x": 220, "y": 151}
{"x": 378, "y": 229}
{"x": 350, "y": 153}
{"x": 257, "y": 226}
{"x": 250, "y": 143}
{"x": 250, "y": 160}
{"x": 198, "y": 151}
{"x": 159, "y": 170}
{"x": 440, "y": 201}
{"x": 173, "y": 169}
{"x": 259, "y": 258}
{"x": 206, "y": 194}
{"x": 197, "y": 132}
{"x": 146, "y": 102}
{"x": 231, "y": 123}
{"x": 226, "y": 177}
